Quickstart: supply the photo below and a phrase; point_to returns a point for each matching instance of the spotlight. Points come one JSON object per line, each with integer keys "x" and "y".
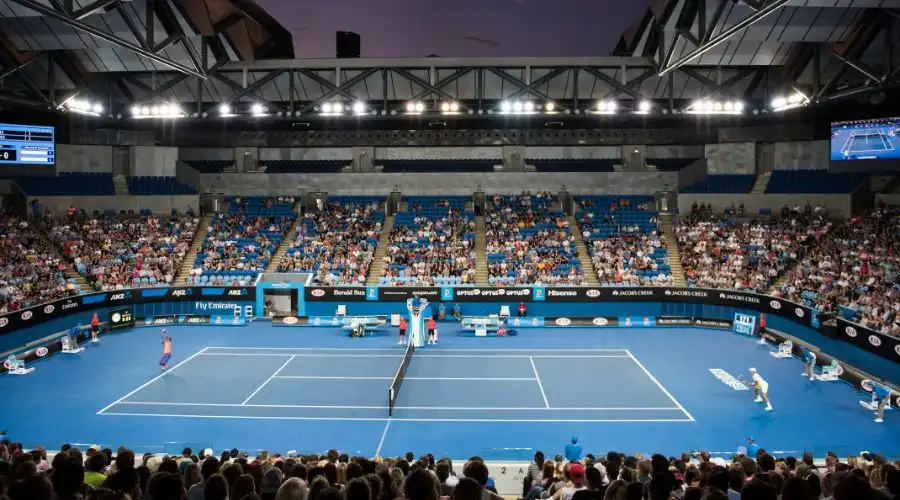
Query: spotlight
{"x": 98, "y": 108}
{"x": 257, "y": 109}
{"x": 506, "y": 106}
{"x": 529, "y": 107}
{"x": 644, "y": 107}
{"x": 225, "y": 109}
{"x": 135, "y": 110}
{"x": 550, "y": 107}
{"x": 359, "y": 108}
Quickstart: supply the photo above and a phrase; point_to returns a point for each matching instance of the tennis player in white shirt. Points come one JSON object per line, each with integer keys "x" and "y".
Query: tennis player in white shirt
{"x": 761, "y": 389}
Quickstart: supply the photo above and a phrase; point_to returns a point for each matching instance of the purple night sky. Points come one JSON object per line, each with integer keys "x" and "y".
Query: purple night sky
{"x": 458, "y": 28}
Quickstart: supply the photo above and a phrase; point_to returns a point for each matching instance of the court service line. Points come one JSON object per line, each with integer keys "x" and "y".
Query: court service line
{"x": 667, "y": 393}
{"x": 397, "y": 350}
{"x": 423, "y": 355}
{"x": 485, "y": 379}
{"x": 383, "y": 435}
{"x": 268, "y": 380}
{"x": 538, "y": 379}
{"x": 420, "y": 408}
{"x": 154, "y": 379}
{"x": 383, "y": 419}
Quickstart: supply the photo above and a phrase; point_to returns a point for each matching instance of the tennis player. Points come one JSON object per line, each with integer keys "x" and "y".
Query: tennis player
{"x": 809, "y": 362}
{"x": 95, "y": 328}
{"x": 402, "y": 331}
{"x": 761, "y": 389}
{"x": 882, "y": 397}
{"x": 167, "y": 350}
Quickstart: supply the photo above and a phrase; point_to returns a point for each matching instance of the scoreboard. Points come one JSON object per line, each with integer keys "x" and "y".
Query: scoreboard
{"x": 27, "y": 145}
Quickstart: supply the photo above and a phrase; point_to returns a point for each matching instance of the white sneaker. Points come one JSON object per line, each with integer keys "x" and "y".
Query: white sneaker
{"x": 769, "y": 408}
{"x": 758, "y": 400}
{"x": 879, "y": 420}
{"x": 803, "y": 374}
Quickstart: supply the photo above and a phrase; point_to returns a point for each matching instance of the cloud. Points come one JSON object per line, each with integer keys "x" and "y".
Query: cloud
{"x": 483, "y": 41}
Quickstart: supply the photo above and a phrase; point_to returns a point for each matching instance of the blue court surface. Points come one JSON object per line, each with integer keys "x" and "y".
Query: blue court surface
{"x": 263, "y": 387}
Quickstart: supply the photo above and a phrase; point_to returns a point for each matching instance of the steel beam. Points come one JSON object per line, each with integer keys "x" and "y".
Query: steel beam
{"x": 431, "y": 89}
{"x": 11, "y": 71}
{"x": 613, "y": 83}
{"x": 244, "y": 91}
{"x": 634, "y": 82}
{"x": 90, "y": 8}
{"x": 344, "y": 87}
{"x": 721, "y": 90}
{"x": 325, "y": 83}
{"x": 103, "y": 35}
{"x": 540, "y": 81}
{"x": 445, "y": 81}
{"x": 519, "y": 83}
{"x": 750, "y": 20}
{"x": 857, "y": 66}
{"x": 717, "y": 16}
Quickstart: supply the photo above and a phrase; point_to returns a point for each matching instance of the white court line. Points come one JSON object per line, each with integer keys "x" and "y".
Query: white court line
{"x": 397, "y": 350}
{"x": 383, "y": 435}
{"x": 383, "y": 419}
{"x": 653, "y": 379}
{"x": 424, "y": 408}
{"x": 268, "y": 380}
{"x": 400, "y": 355}
{"x": 479, "y": 379}
{"x": 538, "y": 379}
{"x": 154, "y": 379}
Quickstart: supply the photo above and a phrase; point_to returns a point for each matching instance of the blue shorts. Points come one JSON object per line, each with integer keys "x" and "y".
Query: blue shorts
{"x": 165, "y": 359}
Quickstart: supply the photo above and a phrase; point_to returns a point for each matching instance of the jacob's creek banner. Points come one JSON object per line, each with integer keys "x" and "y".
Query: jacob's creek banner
{"x": 57, "y": 309}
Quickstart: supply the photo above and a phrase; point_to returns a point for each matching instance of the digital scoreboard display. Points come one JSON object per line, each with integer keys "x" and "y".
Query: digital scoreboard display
{"x": 866, "y": 140}
{"x": 27, "y": 145}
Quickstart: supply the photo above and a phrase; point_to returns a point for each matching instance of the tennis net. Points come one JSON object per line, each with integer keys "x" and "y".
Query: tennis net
{"x": 398, "y": 378}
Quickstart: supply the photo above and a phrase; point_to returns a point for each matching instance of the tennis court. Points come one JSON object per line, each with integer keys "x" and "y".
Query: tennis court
{"x": 865, "y": 141}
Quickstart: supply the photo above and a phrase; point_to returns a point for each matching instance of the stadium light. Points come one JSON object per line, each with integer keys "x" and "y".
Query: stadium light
{"x": 359, "y": 108}
{"x": 550, "y": 108}
{"x": 225, "y": 110}
{"x": 159, "y": 111}
{"x": 708, "y": 107}
{"x": 331, "y": 109}
{"x": 518, "y": 108}
{"x": 605, "y": 108}
{"x": 81, "y": 107}
{"x": 795, "y": 100}
{"x": 644, "y": 108}
{"x": 450, "y": 108}
{"x": 415, "y": 107}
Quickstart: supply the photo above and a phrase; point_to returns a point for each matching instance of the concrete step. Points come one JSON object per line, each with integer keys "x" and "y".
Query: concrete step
{"x": 481, "y": 267}
{"x": 668, "y": 230}
{"x": 376, "y": 270}
{"x": 188, "y": 264}
{"x": 762, "y": 180}
{"x": 286, "y": 243}
{"x": 590, "y": 274}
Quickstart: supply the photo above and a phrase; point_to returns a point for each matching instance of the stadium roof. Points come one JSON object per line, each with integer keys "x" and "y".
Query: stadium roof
{"x": 138, "y": 55}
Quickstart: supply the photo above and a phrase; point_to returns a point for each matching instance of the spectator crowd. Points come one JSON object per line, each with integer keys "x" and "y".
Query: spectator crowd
{"x": 337, "y": 241}
{"x": 528, "y": 241}
{"x": 98, "y": 474}
{"x": 113, "y": 253}
{"x": 239, "y": 242}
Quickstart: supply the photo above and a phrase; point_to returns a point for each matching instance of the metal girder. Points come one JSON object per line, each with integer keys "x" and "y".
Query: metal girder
{"x": 868, "y": 73}
{"x": 108, "y": 37}
{"x": 240, "y": 91}
{"x": 519, "y": 83}
{"x": 618, "y": 86}
{"x": 540, "y": 81}
{"x": 634, "y": 82}
{"x": 441, "y": 83}
{"x": 722, "y": 89}
{"x": 11, "y": 71}
{"x": 422, "y": 83}
{"x": 340, "y": 89}
{"x": 325, "y": 83}
{"x": 703, "y": 48}
{"x": 90, "y": 8}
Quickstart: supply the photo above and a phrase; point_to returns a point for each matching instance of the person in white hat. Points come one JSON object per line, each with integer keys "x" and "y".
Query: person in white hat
{"x": 761, "y": 389}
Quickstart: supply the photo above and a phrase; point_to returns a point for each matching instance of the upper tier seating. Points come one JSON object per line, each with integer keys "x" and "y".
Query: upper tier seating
{"x": 854, "y": 272}
{"x": 530, "y": 242}
{"x": 240, "y": 243}
{"x": 437, "y": 166}
{"x": 30, "y": 272}
{"x": 337, "y": 244}
{"x": 623, "y": 239}
{"x": 210, "y": 166}
{"x": 722, "y": 184}
{"x": 304, "y": 166}
{"x": 431, "y": 244}
{"x": 670, "y": 164}
{"x": 68, "y": 184}
{"x": 602, "y": 165}
{"x": 150, "y": 186}
{"x": 114, "y": 252}
{"x": 813, "y": 182}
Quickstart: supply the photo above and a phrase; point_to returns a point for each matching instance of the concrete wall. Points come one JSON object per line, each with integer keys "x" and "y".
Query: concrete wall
{"x": 160, "y": 205}
{"x": 461, "y": 184}
{"x": 153, "y": 161}
{"x": 189, "y": 176}
{"x": 439, "y": 153}
{"x": 804, "y": 155}
{"x": 309, "y": 154}
{"x": 731, "y": 158}
{"x": 693, "y": 173}
{"x": 211, "y": 154}
{"x": 573, "y": 152}
{"x": 689, "y": 151}
{"x": 891, "y": 200}
{"x": 83, "y": 158}
{"x": 839, "y": 206}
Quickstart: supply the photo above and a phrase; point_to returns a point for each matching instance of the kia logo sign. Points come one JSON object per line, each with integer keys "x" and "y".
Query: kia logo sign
{"x": 49, "y": 309}
{"x": 775, "y": 305}
{"x": 874, "y": 340}
{"x": 41, "y": 352}
{"x": 593, "y": 293}
{"x": 27, "y": 315}
{"x": 799, "y": 312}
{"x": 318, "y": 292}
{"x": 600, "y": 321}
{"x": 867, "y": 385}
{"x": 563, "y": 321}
{"x": 116, "y": 317}
{"x": 4, "y": 322}
{"x": 850, "y": 331}
{"x": 897, "y": 349}
{"x": 290, "y": 320}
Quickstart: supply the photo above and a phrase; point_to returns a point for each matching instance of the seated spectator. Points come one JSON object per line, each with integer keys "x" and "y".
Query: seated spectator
{"x": 240, "y": 243}
{"x": 431, "y": 248}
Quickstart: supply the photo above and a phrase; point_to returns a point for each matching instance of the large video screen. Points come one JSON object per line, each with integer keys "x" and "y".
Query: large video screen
{"x": 866, "y": 140}
{"x": 27, "y": 145}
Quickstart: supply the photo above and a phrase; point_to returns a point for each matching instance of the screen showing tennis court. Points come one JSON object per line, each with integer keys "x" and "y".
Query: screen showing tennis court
{"x": 865, "y": 140}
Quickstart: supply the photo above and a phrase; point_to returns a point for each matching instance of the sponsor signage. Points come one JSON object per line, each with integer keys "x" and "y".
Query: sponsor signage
{"x": 869, "y": 340}
{"x": 492, "y": 294}
{"x": 290, "y": 321}
{"x": 160, "y": 320}
{"x": 580, "y": 322}
{"x": 194, "y": 319}
{"x": 713, "y": 323}
{"x": 729, "y": 380}
{"x": 674, "y": 321}
{"x": 121, "y": 318}
{"x": 335, "y": 294}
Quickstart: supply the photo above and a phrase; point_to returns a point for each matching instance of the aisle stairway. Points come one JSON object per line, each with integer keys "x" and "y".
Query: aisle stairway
{"x": 762, "y": 180}
{"x": 120, "y": 185}
{"x": 674, "y": 254}
{"x": 188, "y": 264}
{"x": 481, "y": 265}
{"x": 286, "y": 243}
{"x": 375, "y": 270}
{"x": 590, "y": 274}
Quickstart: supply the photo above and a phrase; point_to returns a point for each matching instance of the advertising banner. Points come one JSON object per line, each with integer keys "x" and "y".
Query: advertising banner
{"x": 869, "y": 340}
{"x": 580, "y": 322}
{"x": 290, "y": 321}
{"x": 121, "y": 318}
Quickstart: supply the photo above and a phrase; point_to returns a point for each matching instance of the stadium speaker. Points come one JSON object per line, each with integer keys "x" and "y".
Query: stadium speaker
{"x": 348, "y": 44}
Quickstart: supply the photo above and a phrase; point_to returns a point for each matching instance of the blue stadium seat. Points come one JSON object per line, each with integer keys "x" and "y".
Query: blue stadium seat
{"x": 68, "y": 184}
{"x": 304, "y": 166}
{"x": 438, "y": 166}
{"x": 812, "y": 181}
{"x": 733, "y": 183}
{"x": 210, "y": 166}
{"x": 589, "y": 165}
{"x": 158, "y": 186}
